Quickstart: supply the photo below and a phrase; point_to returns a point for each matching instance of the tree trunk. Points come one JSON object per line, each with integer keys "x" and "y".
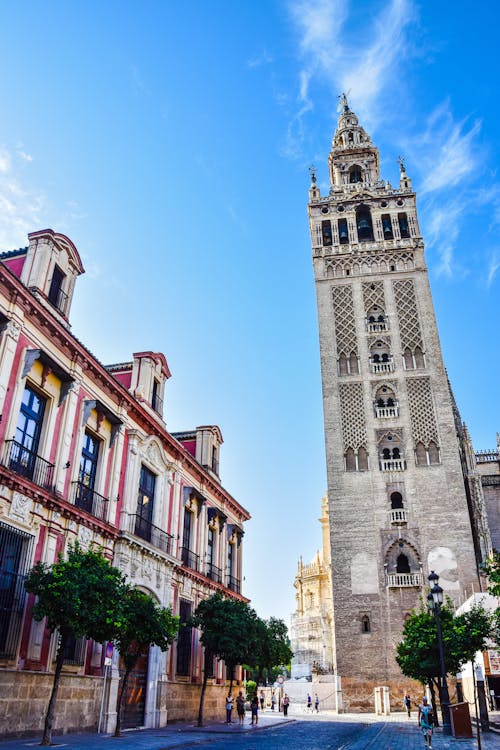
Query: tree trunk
{"x": 208, "y": 657}
{"x": 49, "y": 716}
{"x": 433, "y": 701}
{"x": 120, "y": 701}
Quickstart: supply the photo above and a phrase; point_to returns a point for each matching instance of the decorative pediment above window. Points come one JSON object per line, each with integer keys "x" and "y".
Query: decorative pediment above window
{"x": 105, "y": 412}
{"x": 49, "y": 366}
{"x": 214, "y": 514}
{"x": 193, "y": 499}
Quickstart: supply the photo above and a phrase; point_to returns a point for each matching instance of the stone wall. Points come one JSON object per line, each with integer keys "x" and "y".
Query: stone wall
{"x": 24, "y": 698}
{"x": 183, "y": 701}
{"x": 358, "y": 695}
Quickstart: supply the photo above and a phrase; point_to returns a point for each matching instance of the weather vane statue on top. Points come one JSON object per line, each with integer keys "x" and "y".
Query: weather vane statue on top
{"x": 343, "y": 104}
{"x": 402, "y": 164}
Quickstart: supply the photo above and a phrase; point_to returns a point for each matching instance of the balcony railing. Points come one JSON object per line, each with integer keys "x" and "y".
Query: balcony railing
{"x": 144, "y": 529}
{"x": 233, "y": 584}
{"x": 58, "y": 299}
{"x": 22, "y": 461}
{"x": 88, "y": 499}
{"x": 189, "y": 559}
{"x": 392, "y": 464}
{"x": 157, "y": 404}
{"x": 376, "y": 327}
{"x": 214, "y": 573}
{"x": 386, "y": 412}
{"x": 378, "y": 367}
{"x": 403, "y": 580}
{"x": 398, "y": 516}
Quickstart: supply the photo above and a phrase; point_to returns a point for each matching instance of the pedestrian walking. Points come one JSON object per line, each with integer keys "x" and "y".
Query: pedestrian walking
{"x": 285, "y": 704}
{"x": 273, "y": 701}
{"x": 229, "y": 708}
{"x": 309, "y": 702}
{"x": 426, "y": 721}
{"x": 262, "y": 700}
{"x": 407, "y": 702}
{"x": 240, "y": 708}
{"x": 316, "y": 703}
{"x": 254, "y": 707}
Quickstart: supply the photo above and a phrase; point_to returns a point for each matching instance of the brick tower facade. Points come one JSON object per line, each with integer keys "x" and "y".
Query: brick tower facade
{"x": 398, "y": 507}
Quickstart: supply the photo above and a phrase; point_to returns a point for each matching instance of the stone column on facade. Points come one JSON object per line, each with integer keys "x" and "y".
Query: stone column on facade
{"x": 108, "y": 725}
{"x": 8, "y": 346}
{"x": 155, "y": 669}
{"x": 68, "y": 429}
{"x": 114, "y": 484}
{"x": 131, "y": 480}
{"x": 176, "y": 509}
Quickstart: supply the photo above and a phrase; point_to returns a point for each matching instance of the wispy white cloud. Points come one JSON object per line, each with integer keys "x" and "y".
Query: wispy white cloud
{"x": 493, "y": 267}
{"x": 264, "y": 58}
{"x": 446, "y": 149}
{"x": 328, "y": 53}
{"x": 21, "y": 208}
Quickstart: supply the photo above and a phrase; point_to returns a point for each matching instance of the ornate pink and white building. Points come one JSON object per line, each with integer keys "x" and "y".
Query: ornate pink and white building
{"x": 85, "y": 455}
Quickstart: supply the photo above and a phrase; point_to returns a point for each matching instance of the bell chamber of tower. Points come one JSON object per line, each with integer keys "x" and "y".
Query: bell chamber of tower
{"x": 397, "y": 502}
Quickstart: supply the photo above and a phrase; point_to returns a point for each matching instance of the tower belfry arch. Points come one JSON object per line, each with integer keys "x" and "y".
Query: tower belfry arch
{"x": 395, "y": 486}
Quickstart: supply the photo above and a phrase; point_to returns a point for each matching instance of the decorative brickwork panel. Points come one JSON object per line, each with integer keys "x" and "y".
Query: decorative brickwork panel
{"x": 342, "y": 267}
{"x": 345, "y": 327}
{"x": 422, "y": 417}
{"x": 352, "y": 415}
{"x": 409, "y": 324}
{"x": 373, "y": 296}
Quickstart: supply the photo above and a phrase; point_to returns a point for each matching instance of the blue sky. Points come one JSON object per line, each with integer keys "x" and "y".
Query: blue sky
{"x": 171, "y": 142}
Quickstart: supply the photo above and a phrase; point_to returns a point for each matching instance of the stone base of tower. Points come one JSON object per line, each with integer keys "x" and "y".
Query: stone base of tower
{"x": 358, "y": 694}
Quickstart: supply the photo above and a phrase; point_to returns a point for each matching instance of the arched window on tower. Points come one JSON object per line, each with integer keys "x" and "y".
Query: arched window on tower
{"x": 362, "y": 459}
{"x": 387, "y": 227}
{"x": 350, "y": 460}
{"x": 343, "y": 233}
{"x": 421, "y": 454}
{"x": 355, "y": 174}
{"x": 326, "y": 230}
{"x": 408, "y": 359}
{"x": 419, "y": 357}
{"x": 404, "y": 229}
{"x": 364, "y": 224}
{"x": 402, "y": 564}
{"x": 396, "y": 500}
{"x": 433, "y": 453}
{"x": 353, "y": 364}
{"x": 343, "y": 364}
{"x": 365, "y": 624}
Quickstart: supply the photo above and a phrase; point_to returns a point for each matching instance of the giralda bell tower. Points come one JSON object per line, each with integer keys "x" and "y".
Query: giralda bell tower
{"x": 398, "y": 507}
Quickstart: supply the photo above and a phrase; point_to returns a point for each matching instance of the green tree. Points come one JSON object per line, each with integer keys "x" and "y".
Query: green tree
{"x": 80, "y": 596}
{"x": 142, "y": 624}
{"x": 273, "y": 648}
{"x": 229, "y": 631}
{"x": 418, "y": 652}
{"x": 492, "y": 569}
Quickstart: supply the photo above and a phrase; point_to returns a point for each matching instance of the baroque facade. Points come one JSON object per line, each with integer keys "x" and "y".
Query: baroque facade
{"x": 397, "y": 499}
{"x": 85, "y": 456}
{"x": 311, "y": 623}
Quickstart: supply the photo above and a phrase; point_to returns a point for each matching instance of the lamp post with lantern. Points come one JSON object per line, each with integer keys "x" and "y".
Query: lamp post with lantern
{"x": 434, "y": 602}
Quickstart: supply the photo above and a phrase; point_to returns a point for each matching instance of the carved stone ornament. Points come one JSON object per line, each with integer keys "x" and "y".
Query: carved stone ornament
{"x": 13, "y": 329}
{"x": 84, "y": 536}
{"x": 20, "y": 507}
{"x": 153, "y": 454}
{"x": 147, "y": 568}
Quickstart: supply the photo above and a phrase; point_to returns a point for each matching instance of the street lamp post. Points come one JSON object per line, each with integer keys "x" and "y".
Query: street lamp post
{"x": 435, "y": 600}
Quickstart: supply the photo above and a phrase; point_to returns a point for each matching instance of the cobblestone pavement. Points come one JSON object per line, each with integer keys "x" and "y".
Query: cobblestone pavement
{"x": 300, "y": 732}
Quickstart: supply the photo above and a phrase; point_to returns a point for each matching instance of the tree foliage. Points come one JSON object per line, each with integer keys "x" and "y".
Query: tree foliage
{"x": 229, "y": 631}
{"x": 142, "y": 624}
{"x": 463, "y": 635}
{"x": 273, "y": 647}
{"x": 492, "y": 569}
{"x": 80, "y": 596}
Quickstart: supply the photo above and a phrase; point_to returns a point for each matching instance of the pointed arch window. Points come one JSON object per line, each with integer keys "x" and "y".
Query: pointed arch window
{"x": 387, "y": 227}
{"x": 402, "y": 564}
{"x": 404, "y": 229}
{"x": 396, "y": 500}
{"x": 365, "y": 624}
{"x": 364, "y": 224}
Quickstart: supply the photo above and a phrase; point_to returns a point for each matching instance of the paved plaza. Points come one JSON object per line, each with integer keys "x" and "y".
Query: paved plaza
{"x": 299, "y": 732}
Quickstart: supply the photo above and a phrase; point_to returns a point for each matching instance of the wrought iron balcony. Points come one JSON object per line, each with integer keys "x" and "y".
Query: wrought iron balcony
{"x": 233, "y": 584}
{"x": 144, "y": 529}
{"x": 28, "y": 464}
{"x": 88, "y": 499}
{"x": 398, "y": 516}
{"x": 214, "y": 573}
{"x": 403, "y": 580}
{"x": 189, "y": 559}
{"x": 392, "y": 464}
